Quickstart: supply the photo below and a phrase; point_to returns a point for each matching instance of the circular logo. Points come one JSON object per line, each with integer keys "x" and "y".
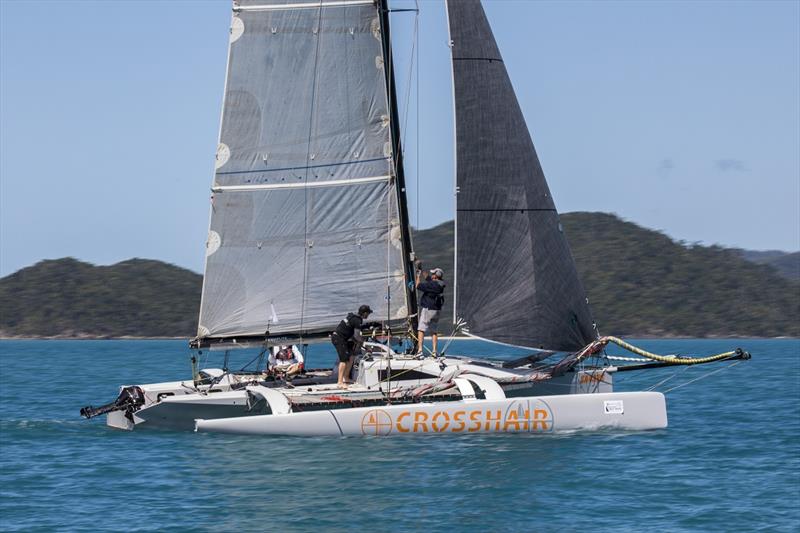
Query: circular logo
{"x": 376, "y": 422}
{"x": 529, "y": 416}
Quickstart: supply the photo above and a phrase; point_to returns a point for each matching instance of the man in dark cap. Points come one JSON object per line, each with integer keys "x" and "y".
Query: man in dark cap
{"x": 346, "y": 339}
{"x": 430, "y": 305}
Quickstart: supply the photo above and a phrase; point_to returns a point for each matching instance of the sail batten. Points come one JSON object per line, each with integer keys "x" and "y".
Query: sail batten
{"x": 306, "y": 214}
{"x": 516, "y": 279}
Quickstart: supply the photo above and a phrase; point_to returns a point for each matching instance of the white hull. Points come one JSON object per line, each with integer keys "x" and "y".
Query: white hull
{"x": 177, "y": 406}
{"x": 547, "y": 414}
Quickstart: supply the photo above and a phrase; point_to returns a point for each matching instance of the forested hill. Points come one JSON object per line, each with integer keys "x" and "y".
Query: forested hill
{"x": 66, "y": 297}
{"x": 639, "y": 281}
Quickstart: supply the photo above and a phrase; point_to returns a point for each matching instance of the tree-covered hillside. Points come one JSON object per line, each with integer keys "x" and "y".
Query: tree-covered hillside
{"x": 787, "y": 264}
{"x": 639, "y": 281}
{"x": 67, "y": 297}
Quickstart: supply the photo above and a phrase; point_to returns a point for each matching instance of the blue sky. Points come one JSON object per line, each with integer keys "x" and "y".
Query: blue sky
{"x": 679, "y": 116}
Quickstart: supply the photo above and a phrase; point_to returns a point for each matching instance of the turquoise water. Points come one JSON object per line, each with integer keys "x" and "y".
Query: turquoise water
{"x": 729, "y": 461}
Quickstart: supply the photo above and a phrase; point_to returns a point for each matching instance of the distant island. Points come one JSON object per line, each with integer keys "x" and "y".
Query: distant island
{"x": 639, "y": 281}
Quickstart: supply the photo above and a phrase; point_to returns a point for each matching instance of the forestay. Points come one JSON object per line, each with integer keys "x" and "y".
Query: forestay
{"x": 306, "y": 221}
{"x": 516, "y": 280}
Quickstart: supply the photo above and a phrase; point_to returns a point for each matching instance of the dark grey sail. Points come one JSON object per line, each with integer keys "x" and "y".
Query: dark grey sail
{"x": 516, "y": 280}
{"x": 307, "y": 218}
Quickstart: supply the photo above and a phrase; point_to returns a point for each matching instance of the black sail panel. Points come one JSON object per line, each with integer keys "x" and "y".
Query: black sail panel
{"x": 516, "y": 280}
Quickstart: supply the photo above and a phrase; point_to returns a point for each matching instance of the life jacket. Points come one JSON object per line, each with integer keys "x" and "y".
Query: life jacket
{"x": 347, "y": 327}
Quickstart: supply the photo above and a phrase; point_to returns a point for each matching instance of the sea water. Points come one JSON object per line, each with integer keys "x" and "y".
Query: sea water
{"x": 729, "y": 461}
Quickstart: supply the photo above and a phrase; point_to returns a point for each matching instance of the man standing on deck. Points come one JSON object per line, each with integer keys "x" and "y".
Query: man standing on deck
{"x": 430, "y": 305}
{"x": 346, "y": 339}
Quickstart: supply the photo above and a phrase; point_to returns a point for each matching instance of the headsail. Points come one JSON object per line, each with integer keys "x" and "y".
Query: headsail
{"x": 516, "y": 279}
{"x": 306, "y": 219}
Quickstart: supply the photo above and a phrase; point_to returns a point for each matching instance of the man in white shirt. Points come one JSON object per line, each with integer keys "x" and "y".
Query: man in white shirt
{"x": 285, "y": 359}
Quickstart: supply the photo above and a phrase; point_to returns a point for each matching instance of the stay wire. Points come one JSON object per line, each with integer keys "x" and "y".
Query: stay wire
{"x": 308, "y": 163}
{"x": 704, "y": 376}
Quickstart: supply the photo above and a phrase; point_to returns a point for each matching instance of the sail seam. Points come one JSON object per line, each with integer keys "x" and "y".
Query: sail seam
{"x": 303, "y": 185}
{"x": 509, "y": 209}
{"x": 303, "y": 5}
{"x": 301, "y": 168}
{"x": 477, "y": 59}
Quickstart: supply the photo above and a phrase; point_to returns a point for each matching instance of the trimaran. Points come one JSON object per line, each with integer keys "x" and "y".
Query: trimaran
{"x": 309, "y": 221}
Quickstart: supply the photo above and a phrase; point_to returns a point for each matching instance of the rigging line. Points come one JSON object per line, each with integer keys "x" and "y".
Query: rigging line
{"x": 308, "y": 159}
{"x": 416, "y": 33}
{"x": 704, "y": 376}
{"x": 674, "y": 374}
{"x": 408, "y": 88}
{"x": 456, "y": 327}
{"x": 413, "y": 335}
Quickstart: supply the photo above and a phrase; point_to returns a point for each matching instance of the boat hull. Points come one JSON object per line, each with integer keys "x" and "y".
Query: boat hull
{"x": 535, "y": 414}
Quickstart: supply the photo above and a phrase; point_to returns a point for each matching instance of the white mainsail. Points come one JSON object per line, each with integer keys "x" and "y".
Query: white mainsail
{"x": 306, "y": 219}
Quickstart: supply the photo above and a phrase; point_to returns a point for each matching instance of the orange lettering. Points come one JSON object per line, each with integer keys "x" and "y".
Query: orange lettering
{"x": 436, "y": 415}
{"x": 512, "y": 418}
{"x": 401, "y": 416}
{"x": 457, "y": 417}
{"x": 538, "y": 416}
{"x": 473, "y": 417}
{"x": 420, "y": 418}
{"x": 489, "y": 419}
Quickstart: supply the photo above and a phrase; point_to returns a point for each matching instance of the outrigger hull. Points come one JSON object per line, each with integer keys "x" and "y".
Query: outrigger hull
{"x": 534, "y": 414}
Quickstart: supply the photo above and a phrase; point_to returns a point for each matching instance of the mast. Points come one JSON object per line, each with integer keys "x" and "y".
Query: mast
{"x": 408, "y": 251}
{"x": 455, "y": 170}
{"x": 517, "y": 280}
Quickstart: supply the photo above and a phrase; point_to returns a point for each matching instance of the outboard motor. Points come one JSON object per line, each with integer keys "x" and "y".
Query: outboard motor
{"x": 129, "y": 400}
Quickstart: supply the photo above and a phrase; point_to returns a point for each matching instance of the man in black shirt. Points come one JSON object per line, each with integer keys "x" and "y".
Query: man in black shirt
{"x": 430, "y": 305}
{"x": 346, "y": 338}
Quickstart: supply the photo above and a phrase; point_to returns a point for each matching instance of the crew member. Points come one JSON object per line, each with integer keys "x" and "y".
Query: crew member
{"x": 347, "y": 339}
{"x": 430, "y": 304}
{"x": 286, "y": 359}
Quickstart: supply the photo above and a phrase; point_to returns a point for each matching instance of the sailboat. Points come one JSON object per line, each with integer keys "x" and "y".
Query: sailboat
{"x": 309, "y": 220}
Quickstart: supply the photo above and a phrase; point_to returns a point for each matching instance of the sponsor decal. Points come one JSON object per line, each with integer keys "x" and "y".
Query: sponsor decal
{"x": 613, "y": 407}
{"x": 519, "y": 416}
{"x": 376, "y": 422}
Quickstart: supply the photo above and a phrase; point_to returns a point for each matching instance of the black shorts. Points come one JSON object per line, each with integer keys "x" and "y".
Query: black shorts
{"x": 343, "y": 347}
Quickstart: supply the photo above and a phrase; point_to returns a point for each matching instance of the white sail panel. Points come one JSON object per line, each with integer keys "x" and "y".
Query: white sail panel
{"x": 306, "y": 97}
{"x": 305, "y": 222}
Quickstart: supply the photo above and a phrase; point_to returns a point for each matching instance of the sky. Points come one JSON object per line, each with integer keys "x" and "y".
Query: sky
{"x": 678, "y": 116}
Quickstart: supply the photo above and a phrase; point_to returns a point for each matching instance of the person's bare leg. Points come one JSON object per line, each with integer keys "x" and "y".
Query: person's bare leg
{"x": 347, "y": 372}
{"x": 342, "y": 370}
{"x": 421, "y": 341}
{"x": 435, "y": 341}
